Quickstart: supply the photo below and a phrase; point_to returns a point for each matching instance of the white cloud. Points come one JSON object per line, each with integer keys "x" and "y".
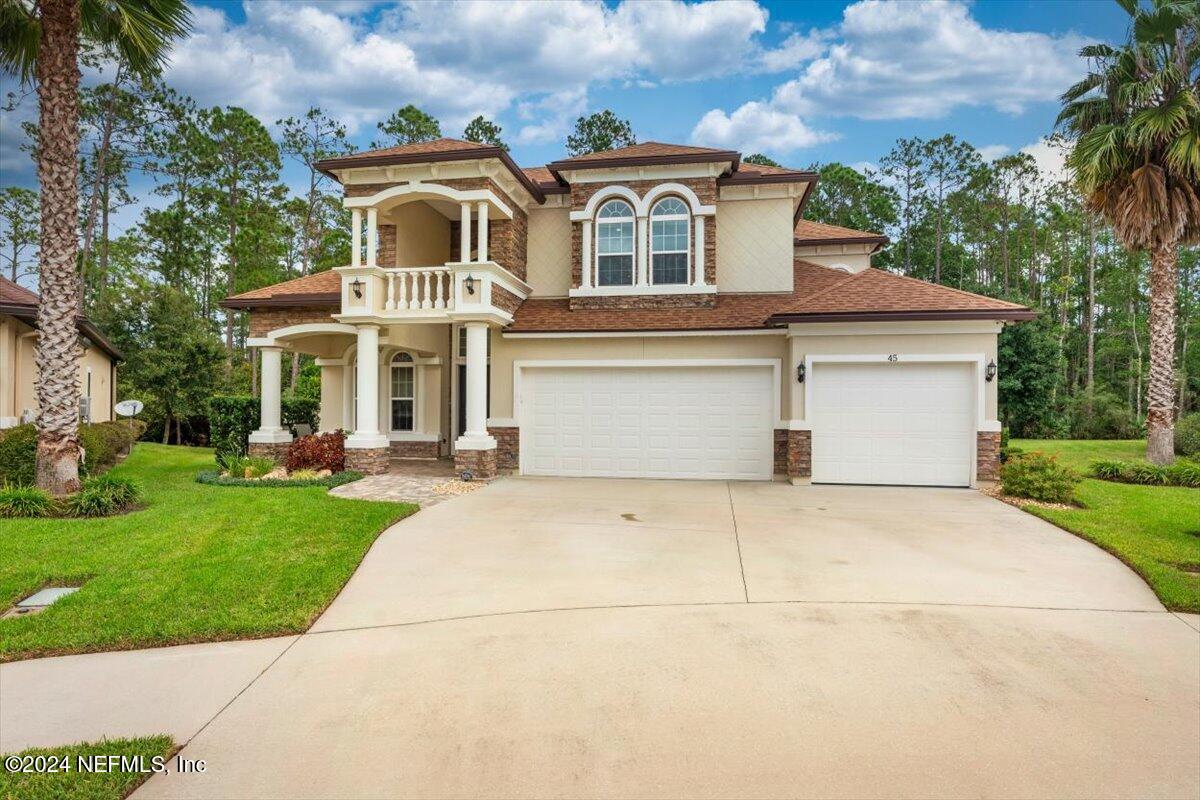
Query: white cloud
{"x": 991, "y": 152}
{"x": 924, "y": 59}
{"x": 549, "y": 118}
{"x": 757, "y": 127}
{"x": 794, "y": 51}
{"x": 1050, "y": 158}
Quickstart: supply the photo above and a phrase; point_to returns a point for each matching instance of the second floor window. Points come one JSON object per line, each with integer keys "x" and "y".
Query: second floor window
{"x": 669, "y": 227}
{"x": 614, "y": 244}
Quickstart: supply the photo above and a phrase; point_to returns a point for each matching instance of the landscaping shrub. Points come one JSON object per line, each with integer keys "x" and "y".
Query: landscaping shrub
{"x": 102, "y": 496}
{"x": 213, "y": 478}
{"x": 297, "y": 410}
{"x": 1182, "y": 473}
{"x": 1106, "y": 416}
{"x": 18, "y": 455}
{"x": 319, "y": 451}
{"x": 25, "y": 501}
{"x": 1187, "y": 435}
{"x": 257, "y": 466}
{"x": 1038, "y": 477}
{"x": 231, "y": 418}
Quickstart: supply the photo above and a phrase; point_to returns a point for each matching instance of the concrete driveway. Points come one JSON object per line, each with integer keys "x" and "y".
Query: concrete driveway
{"x": 606, "y": 638}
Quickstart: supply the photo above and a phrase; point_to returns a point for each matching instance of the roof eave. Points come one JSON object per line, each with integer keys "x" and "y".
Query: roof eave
{"x": 807, "y": 241}
{"x": 352, "y": 162}
{"x": 28, "y": 314}
{"x": 332, "y": 299}
{"x": 999, "y": 314}
{"x": 556, "y": 167}
{"x": 759, "y": 178}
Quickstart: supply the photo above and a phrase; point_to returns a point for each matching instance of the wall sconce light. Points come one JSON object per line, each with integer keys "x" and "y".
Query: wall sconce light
{"x": 356, "y": 286}
{"x": 989, "y": 372}
{"x": 800, "y": 372}
{"x": 469, "y": 283}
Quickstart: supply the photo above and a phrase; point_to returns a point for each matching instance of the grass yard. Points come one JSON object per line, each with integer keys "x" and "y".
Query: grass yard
{"x": 77, "y": 785}
{"x": 199, "y": 563}
{"x": 1153, "y": 529}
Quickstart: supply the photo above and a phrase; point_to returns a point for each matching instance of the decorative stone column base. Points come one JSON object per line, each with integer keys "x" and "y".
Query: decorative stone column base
{"x": 987, "y": 455}
{"x": 481, "y": 463}
{"x": 276, "y": 451}
{"x": 508, "y": 448}
{"x": 368, "y": 461}
{"x": 414, "y": 449}
{"x": 793, "y": 455}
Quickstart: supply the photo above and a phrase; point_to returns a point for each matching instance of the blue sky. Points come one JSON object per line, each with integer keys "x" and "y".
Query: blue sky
{"x": 804, "y": 82}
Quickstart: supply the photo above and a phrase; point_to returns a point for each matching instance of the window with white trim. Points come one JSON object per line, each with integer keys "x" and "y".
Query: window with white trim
{"x": 615, "y": 244}
{"x": 404, "y": 392}
{"x": 670, "y": 240}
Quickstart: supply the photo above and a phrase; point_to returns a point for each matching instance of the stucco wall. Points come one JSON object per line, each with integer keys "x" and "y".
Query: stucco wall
{"x": 17, "y": 372}
{"x": 549, "y": 272}
{"x": 422, "y": 235}
{"x": 506, "y": 351}
{"x": 934, "y": 341}
{"x": 754, "y": 245}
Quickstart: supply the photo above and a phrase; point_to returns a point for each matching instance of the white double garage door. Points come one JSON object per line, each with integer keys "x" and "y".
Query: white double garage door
{"x": 880, "y": 423}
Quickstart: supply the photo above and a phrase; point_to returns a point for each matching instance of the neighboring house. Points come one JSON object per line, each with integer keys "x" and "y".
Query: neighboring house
{"x": 18, "y": 338}
{"x": 657, "y": 311}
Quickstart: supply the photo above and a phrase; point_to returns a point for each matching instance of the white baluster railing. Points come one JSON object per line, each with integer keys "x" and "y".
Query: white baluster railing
{"x": 419, "y": 289}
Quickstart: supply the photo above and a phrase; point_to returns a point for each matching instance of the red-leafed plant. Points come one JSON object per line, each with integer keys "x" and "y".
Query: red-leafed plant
{"x": 319, "y": 451}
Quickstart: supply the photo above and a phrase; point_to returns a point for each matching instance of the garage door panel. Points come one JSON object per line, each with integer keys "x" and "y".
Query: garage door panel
{"x": 695, "y": 422}
{"x": 895, "y": 423}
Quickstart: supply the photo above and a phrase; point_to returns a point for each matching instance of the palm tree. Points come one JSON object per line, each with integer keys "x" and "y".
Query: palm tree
{"x": 40, "y": 40}
{"x": 1136, "y": 158}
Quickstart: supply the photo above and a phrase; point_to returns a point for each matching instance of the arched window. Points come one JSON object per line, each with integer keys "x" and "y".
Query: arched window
{"x": 670, "y": 225}
{"x": 614, "y": 244}
{"x": 404, "y": 392}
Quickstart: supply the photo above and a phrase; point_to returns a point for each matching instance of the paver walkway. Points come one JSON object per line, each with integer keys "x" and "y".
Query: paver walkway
{"x": 423, "y": 481}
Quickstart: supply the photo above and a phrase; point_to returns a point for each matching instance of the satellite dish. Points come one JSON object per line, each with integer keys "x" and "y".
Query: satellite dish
{"x": 129, "y": 408}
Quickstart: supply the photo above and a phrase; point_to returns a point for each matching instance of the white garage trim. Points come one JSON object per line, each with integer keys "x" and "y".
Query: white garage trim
{"x": 775, "y": 364}
{"x": 978, "y": 359}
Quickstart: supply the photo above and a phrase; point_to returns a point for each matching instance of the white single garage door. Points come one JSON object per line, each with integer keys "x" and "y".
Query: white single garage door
{"x": 900, "y": 423}
{"x": 648, "y": 422}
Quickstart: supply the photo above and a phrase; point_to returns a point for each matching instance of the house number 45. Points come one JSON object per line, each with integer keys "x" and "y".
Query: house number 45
{"x": 893, "y": 357}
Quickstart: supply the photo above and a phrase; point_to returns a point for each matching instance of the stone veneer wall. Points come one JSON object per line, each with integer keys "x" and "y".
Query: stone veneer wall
{"x": 265, "y": 320}
{"x": 706, "y": 191}
{"x": 793, "y": 453}
{"x": 373, "y": 461}
{"x": 504, "y": 299}
{"x": 481, "y": 463}
{"x": 987, "y": 455}
{"x": 385, "y": 256}
{"x": 414, "y": 449}
{"x": 508, "y": 448}
{"x": 276, "y": 451}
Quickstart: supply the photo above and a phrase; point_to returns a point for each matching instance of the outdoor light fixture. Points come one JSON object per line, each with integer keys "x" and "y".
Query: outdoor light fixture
{"x": 800, "y": 373}
{"x": 990, "y": 371}
{"x": 356, "y": 286}
{"x": 470, "y": 284}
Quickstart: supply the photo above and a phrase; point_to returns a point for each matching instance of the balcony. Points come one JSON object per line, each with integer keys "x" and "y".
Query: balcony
{"x": 419, "y": 288}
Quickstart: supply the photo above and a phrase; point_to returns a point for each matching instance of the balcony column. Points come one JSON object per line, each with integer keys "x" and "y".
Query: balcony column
{"x": 475, "y": 449}
{"x": 641, "y": 246}
{"x": 356, "y": 237}
{"x": 698, "y": 261}
{"x": 367, "y": 448}
{"x": 482, "y": 245}
{"x": 372, "y": 235}
{"x": 464, "y": 234}
{"x": 271, "y": 439}
{"x": 585, "y": 266}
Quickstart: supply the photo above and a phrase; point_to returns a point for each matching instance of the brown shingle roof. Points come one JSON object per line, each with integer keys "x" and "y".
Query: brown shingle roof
{"x": 15, "y": 294}
{"x": 22, "y": 304}
{"x": 809, "y": 232}
{"x": 646, "y": 153}
{"x": 318, "y": 289}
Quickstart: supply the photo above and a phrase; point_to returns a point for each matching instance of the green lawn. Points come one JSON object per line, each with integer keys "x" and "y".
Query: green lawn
{"x": 1154, "y": 529}
{"x": 199, "y": 563}
{"x": 79, "y": 785}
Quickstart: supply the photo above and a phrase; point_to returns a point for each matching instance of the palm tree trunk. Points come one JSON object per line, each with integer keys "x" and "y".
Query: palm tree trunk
{"x": 1160, "y": 394}
{"x": 58, "y": 348}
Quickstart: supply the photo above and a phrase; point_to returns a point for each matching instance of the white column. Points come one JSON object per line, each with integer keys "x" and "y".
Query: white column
{"x": 270, "y": 428}
{"x": 641, "y": 246}
{"x": 372, "y": 235}
{"x": 476, "y": 437}
{"x": 366, "y": 432}
{"x": 698, "y": 259}
{"x": 585, "y": 273}
{"x": 483, "y": 232}
{"x": 464, "y": 235}
{"x": 356, "y": 237}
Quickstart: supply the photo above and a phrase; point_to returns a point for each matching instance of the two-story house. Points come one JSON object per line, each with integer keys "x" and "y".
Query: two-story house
{"x": 658, "y": 311}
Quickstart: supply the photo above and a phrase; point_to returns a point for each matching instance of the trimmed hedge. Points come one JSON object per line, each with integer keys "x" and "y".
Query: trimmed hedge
{"x": 1182, "y": 473}
{"x": 102, "y": 443}
{"x": 1187, "y": 435}
{"x": 214, "y": 478}
{"x": 1039, "y": 477}
{"x": 232, "y": 417}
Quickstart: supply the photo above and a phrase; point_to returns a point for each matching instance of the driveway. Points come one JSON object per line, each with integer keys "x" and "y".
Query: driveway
{"x": 583, "y": 638}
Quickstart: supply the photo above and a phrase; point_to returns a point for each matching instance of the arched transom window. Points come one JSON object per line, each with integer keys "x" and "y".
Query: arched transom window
{"x": 670, "y": 224}
{"x": 614, "y": 244}
{"x": 404, "y": 392}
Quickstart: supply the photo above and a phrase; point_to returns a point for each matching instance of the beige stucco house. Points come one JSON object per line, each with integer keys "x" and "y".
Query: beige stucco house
{"x": 657, "y": 311}
{"x": 18, "y": 338}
